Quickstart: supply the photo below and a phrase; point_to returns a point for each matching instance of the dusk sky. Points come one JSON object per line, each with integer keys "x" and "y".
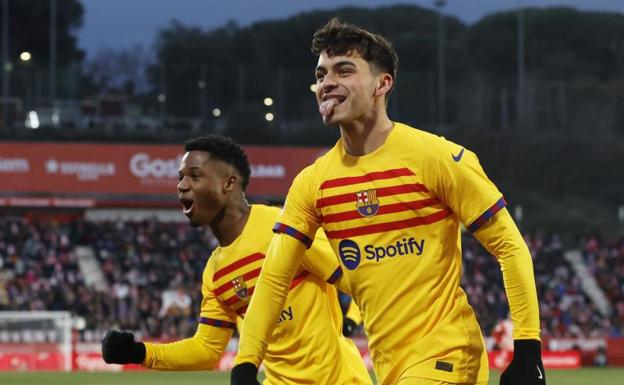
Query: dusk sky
{"x": 125, "y": 23}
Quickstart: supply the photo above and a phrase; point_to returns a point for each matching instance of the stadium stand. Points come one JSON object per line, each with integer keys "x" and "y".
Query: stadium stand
{"x": 146, "y": 263}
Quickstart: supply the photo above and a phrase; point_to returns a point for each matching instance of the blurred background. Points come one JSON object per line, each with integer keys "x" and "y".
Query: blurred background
{"x": 97, "y": 98}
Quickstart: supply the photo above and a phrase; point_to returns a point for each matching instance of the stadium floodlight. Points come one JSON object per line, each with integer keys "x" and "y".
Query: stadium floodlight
{"x": 216, "y": 112}
{"x": 25, "y": 56}
{"x": 268, "y": 102}
{"x": 162, "y": 98}
{"x": 313, "y": 88}
{"x": 32, "y": 120}
{"x": 269, "y": 117}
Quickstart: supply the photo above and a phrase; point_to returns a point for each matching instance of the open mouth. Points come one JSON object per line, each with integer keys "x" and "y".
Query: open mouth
{"x": 326, "y": 108}
{"x": 339, "y": 98}
{"x": 187, "y": 205}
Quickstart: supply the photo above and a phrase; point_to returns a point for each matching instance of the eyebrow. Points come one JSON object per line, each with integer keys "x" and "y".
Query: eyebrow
{"x": 335, "y": 65}
{"x": 190, "y": 168}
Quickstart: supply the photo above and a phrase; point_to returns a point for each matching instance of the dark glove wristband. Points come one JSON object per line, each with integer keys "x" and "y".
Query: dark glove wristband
{"x": 244, "y": 374}
{"x": 137, "y": 353}
{"x": 526, "y": 350}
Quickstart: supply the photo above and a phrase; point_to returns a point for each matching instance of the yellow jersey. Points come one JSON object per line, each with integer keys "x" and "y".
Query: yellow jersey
{"x": 393, "y": 217}
{"x": 307, "y": 346}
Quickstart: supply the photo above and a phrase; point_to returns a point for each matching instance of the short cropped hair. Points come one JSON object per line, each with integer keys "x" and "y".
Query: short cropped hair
{"x": 338, "y": 38}
{"x": 224, "y": 149}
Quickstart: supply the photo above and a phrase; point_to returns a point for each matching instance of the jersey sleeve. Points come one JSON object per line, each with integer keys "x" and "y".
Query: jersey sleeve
{"x": 460, "y": 183}
{"x": 321, "y": 261}
{"x": 203, "y": 350}
{"x": 200, "y": 352}
{"x": 299, "y": 217}
{"x": 280, "y": 265}
{"x": 501, "y": 238}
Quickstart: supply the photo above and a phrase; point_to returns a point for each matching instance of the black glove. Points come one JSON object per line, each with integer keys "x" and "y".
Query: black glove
{"x": 348, "y": 327}
{"x": 526, "y": 367}
{"x": 121, "y": 348}
{"x": 244, "y": 374}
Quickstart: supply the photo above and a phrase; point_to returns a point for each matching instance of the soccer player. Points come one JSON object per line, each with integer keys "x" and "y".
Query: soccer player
{"x": 306, "y": 345}
{"x": 391, "y": 199}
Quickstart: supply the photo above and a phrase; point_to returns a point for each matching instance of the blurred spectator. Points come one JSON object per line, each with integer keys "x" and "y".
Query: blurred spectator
{"x": 175, "y": 302}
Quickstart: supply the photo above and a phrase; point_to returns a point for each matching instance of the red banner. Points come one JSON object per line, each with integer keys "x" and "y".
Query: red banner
{"x": 131, "y": 169}
{"x": 552, "y": 360}
{"x": 88, "y": 357}
{"x": 31, "y": 357}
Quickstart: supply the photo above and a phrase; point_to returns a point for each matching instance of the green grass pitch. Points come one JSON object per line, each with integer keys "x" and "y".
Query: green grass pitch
{"x": 608, "y": 376}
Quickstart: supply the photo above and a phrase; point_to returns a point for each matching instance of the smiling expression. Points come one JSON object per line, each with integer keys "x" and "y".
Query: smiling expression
{"x": 345, "y": 87}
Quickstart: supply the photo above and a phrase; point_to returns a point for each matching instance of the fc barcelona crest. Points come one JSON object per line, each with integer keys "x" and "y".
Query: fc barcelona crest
{"x": 240, "y": 287}
{"x": 367, "y": 203}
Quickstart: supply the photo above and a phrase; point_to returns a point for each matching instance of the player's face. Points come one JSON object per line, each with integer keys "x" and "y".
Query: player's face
{"x": 202, "y": 187}
{"x": 345, "y": 87}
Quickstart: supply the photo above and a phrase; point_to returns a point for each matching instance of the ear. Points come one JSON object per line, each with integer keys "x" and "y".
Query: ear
{"x": 384, "y": 84}
{"x": 230, "y": 183}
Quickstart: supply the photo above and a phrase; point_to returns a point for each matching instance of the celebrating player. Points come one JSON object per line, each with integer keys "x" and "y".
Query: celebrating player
{"x": 306, "y": 345}
{"x": 391, "y": 199}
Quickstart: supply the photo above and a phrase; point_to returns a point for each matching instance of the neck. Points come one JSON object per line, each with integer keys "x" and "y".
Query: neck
{"x": 229, "y": 224}
{"x": 361, "y": 137}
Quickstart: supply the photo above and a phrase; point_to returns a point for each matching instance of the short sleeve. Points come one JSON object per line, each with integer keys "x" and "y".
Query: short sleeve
{"x": 213, "y": 312}
{"x": 321, "y": 261}
{"x": 462, "y": 185}
{"x": 298, "y": 217}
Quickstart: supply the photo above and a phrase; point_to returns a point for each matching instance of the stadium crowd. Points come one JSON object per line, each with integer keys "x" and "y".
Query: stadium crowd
{"x": 145, "y": 265}
{"x": 152, "y": 273}
{"x": 606, "y": 263}
{"x": 565, "y": 310}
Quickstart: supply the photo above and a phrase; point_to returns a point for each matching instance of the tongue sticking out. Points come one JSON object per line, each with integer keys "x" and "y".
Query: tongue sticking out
{"x": 327, "y": 107}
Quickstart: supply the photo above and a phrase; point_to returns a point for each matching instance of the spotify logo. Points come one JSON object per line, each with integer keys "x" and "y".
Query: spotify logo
{"x": 349, "y": 253}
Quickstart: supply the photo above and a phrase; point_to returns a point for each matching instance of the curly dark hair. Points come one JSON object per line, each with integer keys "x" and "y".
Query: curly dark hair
{"x": 225, "y": 149}
{"x": 338, "y": 38}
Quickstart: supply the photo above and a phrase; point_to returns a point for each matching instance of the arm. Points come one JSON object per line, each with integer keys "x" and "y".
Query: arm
{"x": 463, "y": 186}
{"x": 501, "y": 238}
{"x": 200, "y": 352}
{"x": 280, "y": 265}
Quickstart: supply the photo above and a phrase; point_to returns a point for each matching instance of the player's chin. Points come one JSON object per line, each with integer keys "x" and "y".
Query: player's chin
{"x": 331, "y": 120}
{"x": 194, "y": 220}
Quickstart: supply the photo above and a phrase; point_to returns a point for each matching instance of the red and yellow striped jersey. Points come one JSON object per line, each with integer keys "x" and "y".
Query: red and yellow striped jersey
{"x": 307, "y": 345}
{"x": 393, "y": 217}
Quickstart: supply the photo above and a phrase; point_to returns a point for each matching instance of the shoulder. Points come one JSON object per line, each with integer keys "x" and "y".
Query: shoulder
{"x": 429, "y": 147}
{"x": 266, "y": 212}
{"x": 424, "y": 140}
{"x": 313, "y": 175}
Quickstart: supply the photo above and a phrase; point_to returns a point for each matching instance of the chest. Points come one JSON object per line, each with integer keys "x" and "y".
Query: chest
{"x": 234, "y": 281}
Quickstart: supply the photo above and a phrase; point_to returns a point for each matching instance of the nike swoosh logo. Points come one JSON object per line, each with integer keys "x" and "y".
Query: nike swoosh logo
{"x": 458, "y": 157}
{"x": 539, "y": 373}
